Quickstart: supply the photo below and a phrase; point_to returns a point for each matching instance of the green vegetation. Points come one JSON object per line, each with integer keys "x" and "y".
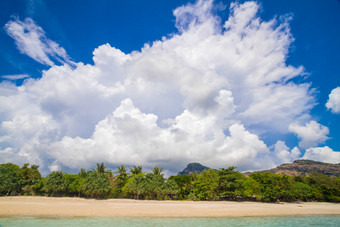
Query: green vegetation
{"x": 210, "y": 184}
{"x": 11, "y": 179}
{"x": 96, "y": 185}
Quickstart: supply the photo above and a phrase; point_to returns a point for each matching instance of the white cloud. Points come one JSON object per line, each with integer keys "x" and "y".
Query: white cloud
{"x": 132, "y": 137}
{"x": 311, "y": 134}
{"x": 284, "y": 154}
{"x": 192, "y": 16}
{"x": 15, "y": 76}
{"x": 31, "y": 40}
{"x": 322, "y": 154}
{"x": 194, "y": 96}
{"x": 295, "y": 153}
{"x": 333, "y": 102}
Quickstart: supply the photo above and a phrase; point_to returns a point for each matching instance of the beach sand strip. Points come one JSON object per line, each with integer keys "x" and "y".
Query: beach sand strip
{"x": 80, "y": 207}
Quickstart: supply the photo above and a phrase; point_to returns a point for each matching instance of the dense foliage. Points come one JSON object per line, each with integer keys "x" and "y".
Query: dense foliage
{"x": 210, "y": 184}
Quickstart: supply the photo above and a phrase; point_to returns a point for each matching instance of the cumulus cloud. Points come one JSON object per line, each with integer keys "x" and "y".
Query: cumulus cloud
{"x": 32, "y": 41}
{"x": 132, "y": 137}
{"x": 312, "y": 134}
{"x": 322, "y": 154}
{"x": 191, "y": 15}
{"x": 333, "y": 102}
{"x": 284, "y": 154}
{"x": 196, "y": 95}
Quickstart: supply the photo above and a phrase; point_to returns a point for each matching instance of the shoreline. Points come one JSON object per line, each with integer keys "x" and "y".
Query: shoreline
{"x": 81, "y": 207}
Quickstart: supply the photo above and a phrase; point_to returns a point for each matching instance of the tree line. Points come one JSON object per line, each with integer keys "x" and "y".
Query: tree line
{"x": 222, "y": 184}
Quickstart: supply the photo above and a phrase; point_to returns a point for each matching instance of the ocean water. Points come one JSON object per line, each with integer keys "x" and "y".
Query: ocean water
{"x": 330, "y": 220}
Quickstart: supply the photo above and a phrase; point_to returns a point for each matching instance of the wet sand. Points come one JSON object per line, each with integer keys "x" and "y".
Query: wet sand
{"x": 80, "y": 207}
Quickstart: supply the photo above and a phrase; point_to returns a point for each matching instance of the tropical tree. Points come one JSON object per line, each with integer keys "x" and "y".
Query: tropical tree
{"x": 154, "y": 186}
{"x": 272, "y": 186}
{"x": 54, "y": 183}
{"x": 185, "y": 185}
{"x": 301, "y": 191}
{"x": 122, "y": 172}
{"x": 134, "y": 186}
{"x": 286, "y": 185}
{"x": 206, "y": 185}
{"x": 32, "y": 179}
{"x": 229, "y": 182}
{"x": 171, "y": 189}
{"x": 136, "y": 170}
{"x": 249, "y": 189}
{"x": 157, "y": 171}
{"x": 11, "y": 181}
{"x": 324, "y": 188}
{"x": 96, "y": 185}
{"x": 120, "y": 180}
{"x": 101, "y": 168}
{"x": 82, "y": 173}
{"x": 72, "y": 184}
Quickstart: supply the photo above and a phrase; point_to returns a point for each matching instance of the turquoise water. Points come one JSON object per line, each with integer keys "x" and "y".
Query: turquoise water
{"x": 238, "y": 221}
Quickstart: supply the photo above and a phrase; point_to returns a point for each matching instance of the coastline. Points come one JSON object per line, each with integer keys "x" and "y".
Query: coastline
{"x": 80, "y": 207}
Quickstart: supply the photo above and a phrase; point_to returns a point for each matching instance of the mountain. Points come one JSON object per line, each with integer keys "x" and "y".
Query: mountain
{"x": 192, "y": 167}
{"x": 305, "y": 167}
{"x": 301, "y": 167}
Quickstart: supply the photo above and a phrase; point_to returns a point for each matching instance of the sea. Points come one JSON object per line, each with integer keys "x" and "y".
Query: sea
{"x": 319, "y": 220}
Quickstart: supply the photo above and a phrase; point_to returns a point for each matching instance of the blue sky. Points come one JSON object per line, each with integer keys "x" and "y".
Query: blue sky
{"x": 76, "y": 97}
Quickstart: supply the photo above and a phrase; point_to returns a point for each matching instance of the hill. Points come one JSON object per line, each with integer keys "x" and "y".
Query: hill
{"x": 192, "y": 167}
{"x": 300, "y": 167}
{"x": 305, "y": 167}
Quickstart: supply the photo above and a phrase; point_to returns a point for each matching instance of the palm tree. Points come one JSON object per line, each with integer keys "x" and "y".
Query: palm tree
{"x": 121, "y": 178}
{"x": 122, "y": 172}
{"x": 82, "y": 173}
{"x": 101, "y": 168}
{"x": 157, "y": 171}
{"x": 136, "y": 170}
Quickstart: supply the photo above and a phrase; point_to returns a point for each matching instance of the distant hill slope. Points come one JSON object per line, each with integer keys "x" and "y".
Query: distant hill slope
{"x": 298, "y": 167}
{"x": 192, "y": 167}
{"x": 305, "y": 167}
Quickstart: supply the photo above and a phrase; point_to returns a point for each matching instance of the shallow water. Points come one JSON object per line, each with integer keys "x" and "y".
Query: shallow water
{"x": 331, "y": 220}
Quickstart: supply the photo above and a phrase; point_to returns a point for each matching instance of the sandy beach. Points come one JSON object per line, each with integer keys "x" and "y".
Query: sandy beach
{"x": 80, "y": 207}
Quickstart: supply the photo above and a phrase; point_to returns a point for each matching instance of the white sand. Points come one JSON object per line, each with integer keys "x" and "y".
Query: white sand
{"x": 79, "y": 207}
